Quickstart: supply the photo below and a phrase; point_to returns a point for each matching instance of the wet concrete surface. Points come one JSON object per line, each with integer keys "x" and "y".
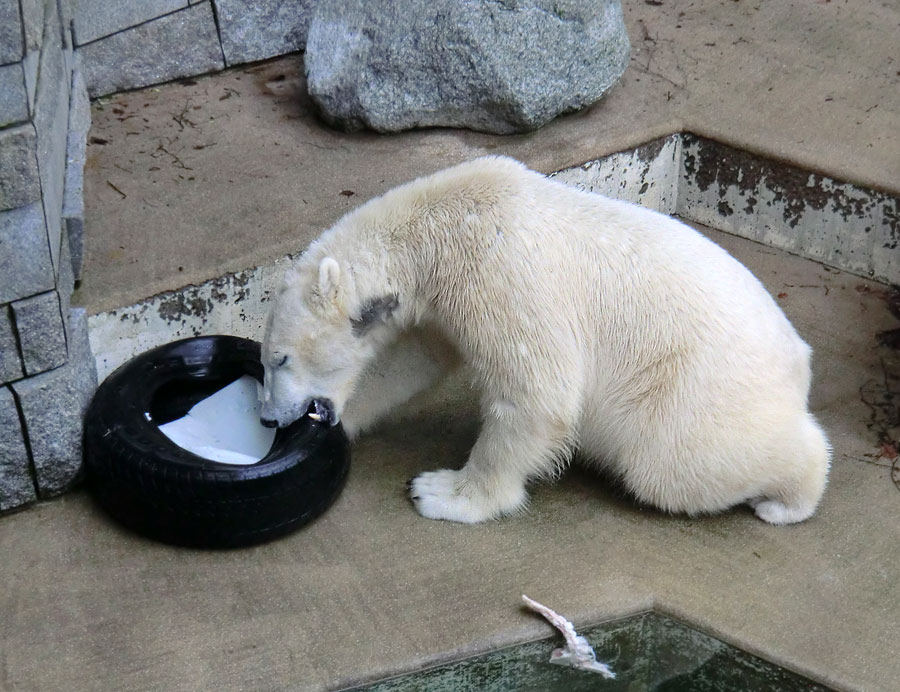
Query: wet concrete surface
{"x": 371, "y": 589}
{"x": 192, "y": 180}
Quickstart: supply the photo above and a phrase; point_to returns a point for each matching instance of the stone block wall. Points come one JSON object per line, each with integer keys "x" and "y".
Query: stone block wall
{"x": 47, "y": 371}
{"x": 54, "y": 56}
{"x": 125, "y": 44}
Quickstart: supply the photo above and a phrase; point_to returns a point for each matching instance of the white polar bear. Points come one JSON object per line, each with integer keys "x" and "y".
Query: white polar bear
{"x": 586, "y": 322}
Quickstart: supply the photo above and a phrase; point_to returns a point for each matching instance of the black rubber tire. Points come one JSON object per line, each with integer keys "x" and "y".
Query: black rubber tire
{"x": 160, "y": 490}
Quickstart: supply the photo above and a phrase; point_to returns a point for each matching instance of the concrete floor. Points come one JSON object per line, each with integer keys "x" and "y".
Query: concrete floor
{"x": 234, "y": 171}
{"x": 220, "y": 174}
{"x": 372, "y": 589}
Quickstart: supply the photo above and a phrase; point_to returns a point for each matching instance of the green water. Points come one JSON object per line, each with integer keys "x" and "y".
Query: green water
{"x": 648, "y": 653}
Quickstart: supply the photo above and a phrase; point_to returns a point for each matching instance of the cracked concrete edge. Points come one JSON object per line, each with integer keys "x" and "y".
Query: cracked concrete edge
{"x": 233, "y": 304}
{"x": 526, "y": 632}
{"x": 701, "y": 180}
{"x": 787, "y": 207}
{"x": 671, "y": 608}
{"x": 237, "y": 303}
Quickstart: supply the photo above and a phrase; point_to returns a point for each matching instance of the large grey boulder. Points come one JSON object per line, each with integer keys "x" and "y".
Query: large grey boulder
{"x": 492, "y": 65}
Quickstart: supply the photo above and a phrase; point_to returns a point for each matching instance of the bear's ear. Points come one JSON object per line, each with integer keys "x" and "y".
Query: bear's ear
{"x": 372, "y": 312}
{"x": 329, "y": 280}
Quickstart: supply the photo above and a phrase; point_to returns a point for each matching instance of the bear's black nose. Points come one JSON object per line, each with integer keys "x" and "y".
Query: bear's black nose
{"x": 268, "y": 422}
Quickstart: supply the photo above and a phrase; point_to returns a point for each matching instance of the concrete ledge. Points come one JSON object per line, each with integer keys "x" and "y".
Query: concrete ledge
{"x": 840, "y": 225}
{"x": 833, "y": 119}
{"x": 779, "y": 204}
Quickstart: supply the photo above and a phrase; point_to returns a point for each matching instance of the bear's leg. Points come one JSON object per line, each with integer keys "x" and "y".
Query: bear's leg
{"x": 794, "y": 499}
{"x": 508, "y": 452}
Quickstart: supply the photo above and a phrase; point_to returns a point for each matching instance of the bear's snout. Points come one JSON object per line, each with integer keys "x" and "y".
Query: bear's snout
{"x": 320, "y": 410}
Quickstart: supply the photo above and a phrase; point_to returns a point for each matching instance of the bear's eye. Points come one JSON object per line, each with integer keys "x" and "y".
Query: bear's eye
{"x": 281, "y": 362}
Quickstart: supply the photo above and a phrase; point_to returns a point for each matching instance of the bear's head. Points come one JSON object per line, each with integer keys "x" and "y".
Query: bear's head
{"x": 320, "y": 335}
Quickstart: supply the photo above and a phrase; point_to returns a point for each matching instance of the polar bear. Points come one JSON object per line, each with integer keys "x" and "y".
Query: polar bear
{"x": 586, "y": 323}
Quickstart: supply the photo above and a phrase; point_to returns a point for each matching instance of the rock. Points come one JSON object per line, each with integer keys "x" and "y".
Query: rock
{"x": 20, "y": 182}
{"x": 76, "y": 155}
{"x": 42, "y": 335}
{"x": 258, "y": 30}
{"x": 53, "y": 405}
{"x": 13, "y": 97}
{"x": 25, "y": 266}
{"x": 502, "y": 66}
{"x": 16, "y": 485}
{"x": 95, "y": 19}
{"x": 180, "y": 44}
{"x": 30, "y": 65}
{"x": 11, "y": 48}
{"x": 51, "y": 121}
{"x": 10, "y": 363}
{"x": 33, "y": 23}
{"x": 65, "y": 282}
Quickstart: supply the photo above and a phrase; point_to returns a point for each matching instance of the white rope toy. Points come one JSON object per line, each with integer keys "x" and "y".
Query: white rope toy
{"x": 577, "y": 653}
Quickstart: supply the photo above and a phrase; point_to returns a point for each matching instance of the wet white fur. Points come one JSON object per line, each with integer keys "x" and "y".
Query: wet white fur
{"x": 586, "y": 322}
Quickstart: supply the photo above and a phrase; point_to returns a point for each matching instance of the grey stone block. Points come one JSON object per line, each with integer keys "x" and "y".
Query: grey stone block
{"x": 42, "y": 334}
{"x": 492, "y": 66}
{"x": 66, "y": 18}
{"x": 20, "y": 182}
{"x": 16, "y": 484}
{"x": 73, "y": 191}
{"x": 30, "y": 66}
{"x": 258, "y": 30}
{"x": 13, "y": 97}
{"x": 74, "y": 231}
{"x": 10, "y": 362}
{"x": 33, "y": 20}
{"x": 53, "y": 405}
{"x": 178, "y": 45}
{"x": 11, "y": 48}
{"x": 65, "y": 280}
{"x": 51, "y": 121}
{"x": 25, "y": 266}
{"x": 98, "y": 18}
{"x": 65, "y": 22}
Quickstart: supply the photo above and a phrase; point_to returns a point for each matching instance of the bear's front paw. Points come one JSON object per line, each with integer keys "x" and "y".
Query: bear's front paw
{"x": 436, "y": 495}
{"x": 450, "y": 495}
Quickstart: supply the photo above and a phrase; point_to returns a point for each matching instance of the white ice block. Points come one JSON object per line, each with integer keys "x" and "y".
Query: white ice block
{"x": 225, "y": 426}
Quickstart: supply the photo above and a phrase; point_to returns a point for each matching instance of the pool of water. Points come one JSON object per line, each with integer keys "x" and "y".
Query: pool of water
{"x": 647, "y": 652}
